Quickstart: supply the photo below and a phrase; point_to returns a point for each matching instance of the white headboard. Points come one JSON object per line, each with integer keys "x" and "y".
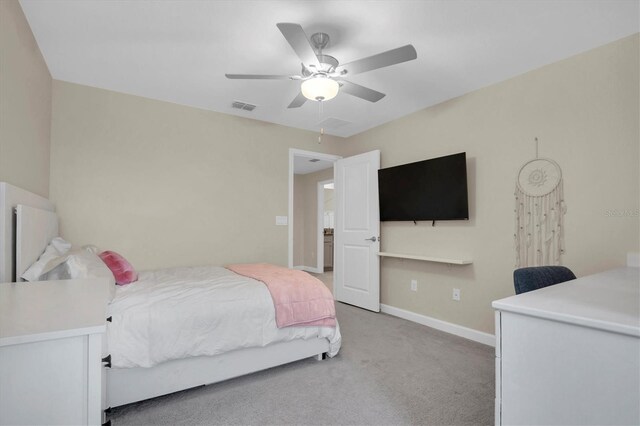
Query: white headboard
{"x": 35, "y": 228}
{"x": 10, "y": 197}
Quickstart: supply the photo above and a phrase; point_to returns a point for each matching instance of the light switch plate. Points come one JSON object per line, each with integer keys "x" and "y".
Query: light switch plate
{"x": 282, "y": 220}
{"x": 456, "y": 294}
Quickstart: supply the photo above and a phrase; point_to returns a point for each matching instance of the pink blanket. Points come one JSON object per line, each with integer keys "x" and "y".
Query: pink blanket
{"x": 299, "y": 298}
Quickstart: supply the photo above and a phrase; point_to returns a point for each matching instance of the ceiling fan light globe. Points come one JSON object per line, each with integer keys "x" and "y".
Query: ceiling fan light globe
{"x": 319, "y": 88}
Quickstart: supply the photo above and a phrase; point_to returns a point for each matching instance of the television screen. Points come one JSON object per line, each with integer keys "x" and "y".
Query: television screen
{"x": 434, "y": 189}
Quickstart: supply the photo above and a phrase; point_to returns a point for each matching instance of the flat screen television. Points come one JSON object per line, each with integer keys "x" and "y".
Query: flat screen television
{"x": 434, "y": 189}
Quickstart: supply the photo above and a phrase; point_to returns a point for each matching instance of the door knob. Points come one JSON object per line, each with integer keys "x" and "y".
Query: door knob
{"x": 374, "y": 239}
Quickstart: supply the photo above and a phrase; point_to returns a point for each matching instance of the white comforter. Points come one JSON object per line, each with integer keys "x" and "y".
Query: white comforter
{"x": 183, "y": 312}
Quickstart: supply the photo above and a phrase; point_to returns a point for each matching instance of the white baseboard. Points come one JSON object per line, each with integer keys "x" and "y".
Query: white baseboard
{"x": 308, "y": 269}
{"x": 447, "y": 327}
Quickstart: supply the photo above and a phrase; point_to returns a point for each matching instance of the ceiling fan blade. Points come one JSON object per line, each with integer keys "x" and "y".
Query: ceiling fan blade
{"x": 300, "y": 43}
{"x": 360, "y": 91}
{"x": 381, "y": 60}
{"x": 259, "y": 77}
{"x": 298, "y": 101}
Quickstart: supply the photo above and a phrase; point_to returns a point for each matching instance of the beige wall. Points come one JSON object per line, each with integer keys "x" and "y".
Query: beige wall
{"x": 585, "y": 112}
{"x": 25, "y": 104}
{"x": 306, "y": 217}
{"x": 168, "y": 185}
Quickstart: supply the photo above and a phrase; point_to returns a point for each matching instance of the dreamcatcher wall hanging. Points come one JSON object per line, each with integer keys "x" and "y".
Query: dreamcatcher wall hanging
{"x": 540, "y": 210}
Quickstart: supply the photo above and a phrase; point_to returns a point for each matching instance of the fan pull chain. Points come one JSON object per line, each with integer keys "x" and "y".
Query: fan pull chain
{"x": 320, "y": 120}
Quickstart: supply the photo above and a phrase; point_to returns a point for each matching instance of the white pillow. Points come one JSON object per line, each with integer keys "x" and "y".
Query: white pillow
{"x": 82, "y": 263}
{"x": 53, "y": 256}
{"x": 58, "y": 263}
{"x": 85, "y": 264}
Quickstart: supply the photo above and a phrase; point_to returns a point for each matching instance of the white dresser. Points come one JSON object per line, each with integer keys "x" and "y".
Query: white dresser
{"x": 51, "y": 340}
{"x": 569, "y": 354}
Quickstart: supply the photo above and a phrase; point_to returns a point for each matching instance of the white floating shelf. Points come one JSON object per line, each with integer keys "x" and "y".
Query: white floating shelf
{"x": 426, "y": 258}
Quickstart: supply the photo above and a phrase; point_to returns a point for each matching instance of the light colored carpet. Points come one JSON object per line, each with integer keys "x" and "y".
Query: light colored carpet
{"x": 389, "y": 371}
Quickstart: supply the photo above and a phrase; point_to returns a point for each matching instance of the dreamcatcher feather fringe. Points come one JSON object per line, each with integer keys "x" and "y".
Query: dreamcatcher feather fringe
{"x": 539, "y": 233}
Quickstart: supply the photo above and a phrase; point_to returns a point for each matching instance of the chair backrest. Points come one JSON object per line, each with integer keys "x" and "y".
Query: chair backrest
{"x": 533, "y": 278}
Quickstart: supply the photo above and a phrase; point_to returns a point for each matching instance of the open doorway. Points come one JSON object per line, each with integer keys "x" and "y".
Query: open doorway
{"x": 326, "y": 224}
{"x": 306, "y": 208}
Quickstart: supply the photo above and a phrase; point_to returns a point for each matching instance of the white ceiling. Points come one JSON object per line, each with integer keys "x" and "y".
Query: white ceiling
{"x": 179, "y": 51}
{"x": 303, "y": 165}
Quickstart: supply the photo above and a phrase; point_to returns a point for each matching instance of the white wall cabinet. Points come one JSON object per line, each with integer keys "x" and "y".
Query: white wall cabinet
{"x": 569, "y": 354}
{"x": 51, "y": 348}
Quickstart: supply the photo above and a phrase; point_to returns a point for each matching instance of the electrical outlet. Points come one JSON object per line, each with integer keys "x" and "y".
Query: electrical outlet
{"x": 414, "y": 285}
{"x": 456, "y": 294}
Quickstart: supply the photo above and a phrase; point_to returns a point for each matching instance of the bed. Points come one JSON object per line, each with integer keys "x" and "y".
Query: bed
{"x": 199, "y": 325}
{"x": 179, "y": 328}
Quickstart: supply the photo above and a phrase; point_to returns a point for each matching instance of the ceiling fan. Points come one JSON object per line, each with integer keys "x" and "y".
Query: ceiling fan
{"x": 322, "y": 75}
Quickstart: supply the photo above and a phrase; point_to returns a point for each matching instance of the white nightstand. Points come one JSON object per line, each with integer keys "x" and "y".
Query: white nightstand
{"x": 51, "y": 349}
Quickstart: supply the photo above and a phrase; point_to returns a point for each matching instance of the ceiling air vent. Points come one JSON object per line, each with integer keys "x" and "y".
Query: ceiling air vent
{"x": 332, "y": 123}
{"x": 243, "y": 106}
{"x": 314, "y": 160}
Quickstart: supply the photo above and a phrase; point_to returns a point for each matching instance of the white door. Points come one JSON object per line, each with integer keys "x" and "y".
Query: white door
{"x": 357, "y": 231}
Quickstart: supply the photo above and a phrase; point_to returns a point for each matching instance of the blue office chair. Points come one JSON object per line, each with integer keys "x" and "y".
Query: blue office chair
{"x": 533, "y": 278}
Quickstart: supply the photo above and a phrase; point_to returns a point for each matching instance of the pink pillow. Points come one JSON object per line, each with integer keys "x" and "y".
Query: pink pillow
{"x": 121, "y": 269}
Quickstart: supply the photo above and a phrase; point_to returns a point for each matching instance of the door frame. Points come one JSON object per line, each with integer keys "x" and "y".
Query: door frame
{"x": 294, "y": 152}
{"x": 320, "y": 223}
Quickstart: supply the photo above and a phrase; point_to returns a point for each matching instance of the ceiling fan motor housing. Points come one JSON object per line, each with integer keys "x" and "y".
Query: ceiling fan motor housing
{"x": 327, "y": 65}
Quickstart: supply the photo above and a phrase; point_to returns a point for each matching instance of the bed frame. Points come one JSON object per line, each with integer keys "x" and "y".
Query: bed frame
{"x": 126, "y": 385}
{"x": 35, "y": 228}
